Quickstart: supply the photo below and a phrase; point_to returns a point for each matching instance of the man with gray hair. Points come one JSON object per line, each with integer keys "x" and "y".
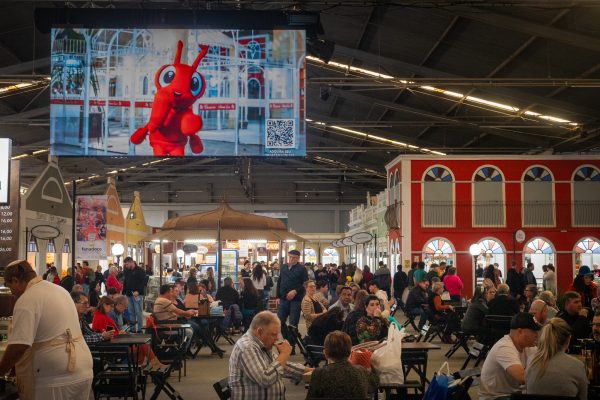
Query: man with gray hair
{"x": 539, "y": 310}
{"x": 254, "y": 372}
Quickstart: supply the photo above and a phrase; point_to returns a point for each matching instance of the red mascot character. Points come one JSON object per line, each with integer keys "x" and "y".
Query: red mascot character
{"x": 172, "y": 121}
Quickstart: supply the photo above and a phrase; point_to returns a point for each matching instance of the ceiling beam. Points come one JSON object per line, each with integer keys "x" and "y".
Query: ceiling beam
{"x": 27, "y": 67}
{"x": 405, "y": 67}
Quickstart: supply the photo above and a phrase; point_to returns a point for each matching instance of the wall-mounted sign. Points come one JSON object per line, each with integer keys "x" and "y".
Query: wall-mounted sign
{"x": 5, "y": 147}
{"x": 347, "y": 241}
{"x": 45, "y": 232}
{"x": 361, "y": 237}
{"x": 190, "y": 248}
{"x": 202, "y": 250}
{"x": 9, "y": 221}
{"x": 520, "y": 236}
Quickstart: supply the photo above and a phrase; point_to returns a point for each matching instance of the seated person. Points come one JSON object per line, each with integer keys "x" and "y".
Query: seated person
{"x": 551, "y": 371}
{"x": 254, "y": 371}
{"x": 89, "y": 335}
{"x": 503, "y": 303}
{"x": 118, "y": 312}
{"x": 196, "y": 292}
{"x": 503, "y": 371}
{"x": 249, "y": 300}
{"x": 384, "y": 303}
{"x": 351, "y": 381}
{"x": 325, "y": 323}
{"x": 548, "y": 297}
{"x": 577, "y": 317}
{"x": 472, "y": 322}
{"x": 230, "y": 300}
{"x": 371, "y": 326}
{"x": 352, "y": 318}
{"x": 417, "y": 297}
{"x": 310, "y": 306}
{"x": 531, "y": 293}
{"x": 440, "y": 313}
{"x": 344, "y": 301}
{"x": 539, "y": 310}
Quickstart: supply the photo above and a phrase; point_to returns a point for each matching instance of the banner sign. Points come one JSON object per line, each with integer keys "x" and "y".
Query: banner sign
{"x": 5, "y": 147}
{"x": 178, "y": 92}
{"x": 9, "y": 220}
{"x": 90, "y": 227}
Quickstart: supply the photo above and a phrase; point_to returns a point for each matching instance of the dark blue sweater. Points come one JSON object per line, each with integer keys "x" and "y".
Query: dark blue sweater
{"x": 292, "y": 278}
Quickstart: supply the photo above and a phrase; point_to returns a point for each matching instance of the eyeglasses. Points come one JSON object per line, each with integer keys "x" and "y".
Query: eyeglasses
{"x": 85, "y": 303}
{"x": 595, "y": 325}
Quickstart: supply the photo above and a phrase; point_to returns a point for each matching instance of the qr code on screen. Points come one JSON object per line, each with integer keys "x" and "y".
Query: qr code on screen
{"x": 281, "y": 133}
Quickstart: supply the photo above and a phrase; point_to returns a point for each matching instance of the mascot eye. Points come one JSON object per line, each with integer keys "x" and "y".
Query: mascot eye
{"x": 166, "y": 76}
{"x": 196, "y": 84}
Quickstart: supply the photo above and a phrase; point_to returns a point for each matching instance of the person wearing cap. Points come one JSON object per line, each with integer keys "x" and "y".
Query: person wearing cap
{"x": 552, "y": 372}
{"x": 503, "y": 371}
{"x": 134, "y": 285}
{"x": 578, "y": 318}
{"x": 45, "y": 344}
{"x": 290, "y": 291}
{"x": 584, "y": 285}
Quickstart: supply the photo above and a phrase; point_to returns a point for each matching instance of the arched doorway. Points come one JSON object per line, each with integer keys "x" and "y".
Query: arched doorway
{"x": 330, "y": 255}
{"x": 310, "y": 255}
{"x": 539, "y": 251}
{"x": 492, "y": 251}
{"x": 438, "y": 250}
{"x": 587, "y": 252}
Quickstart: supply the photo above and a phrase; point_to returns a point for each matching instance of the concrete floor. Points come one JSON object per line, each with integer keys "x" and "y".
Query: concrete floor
{"x": 206, "y": 369}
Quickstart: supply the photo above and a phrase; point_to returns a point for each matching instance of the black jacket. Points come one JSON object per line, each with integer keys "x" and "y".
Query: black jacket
{"x": 503, "y": 305}
{"x": 228, "y": 296}
{"x": 416, "y": 298}
{"x": 580, "y": 327}
{"x": 291, "y": 278}
{"x": 400, "y": 283}
{"x": 134, "y": 280}
{"x": 515, "y": 281}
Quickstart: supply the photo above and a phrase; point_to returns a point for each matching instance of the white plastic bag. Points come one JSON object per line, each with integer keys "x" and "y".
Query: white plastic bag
{"x": 387, "y": 360}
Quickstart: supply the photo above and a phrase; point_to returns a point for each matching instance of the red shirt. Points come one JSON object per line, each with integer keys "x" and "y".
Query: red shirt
{"x": 453, "y": 284}
{"x": 113, "y": 282}
{"x": 101, "y": 321}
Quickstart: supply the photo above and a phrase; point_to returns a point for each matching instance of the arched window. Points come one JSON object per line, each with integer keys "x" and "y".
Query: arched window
{"x": 145, "y": 86}
{"x": 330, "y": 255}
{"x": 310, "y": 255}
{"x": 492, "y": 251}
{"x": 587, "y": 252}
{"x": 438, "y": 250}
{"x": 586, "y": 196}
{"x": 253, "y": 89}
{"x": 540, "y": 252}
{"x": 438, "y": 197}
{"x": 488, "y": 197}
{"x": 538, "y": 197}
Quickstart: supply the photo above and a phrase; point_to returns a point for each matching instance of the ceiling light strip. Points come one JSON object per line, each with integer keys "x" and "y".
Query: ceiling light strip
{"x": 463, "y": 97}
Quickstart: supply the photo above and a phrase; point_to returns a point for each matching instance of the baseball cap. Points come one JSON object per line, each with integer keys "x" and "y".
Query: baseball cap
{"x": 524, "y": 320}
{"x": 584, "y": 270}
{"x": 294, "y": 253}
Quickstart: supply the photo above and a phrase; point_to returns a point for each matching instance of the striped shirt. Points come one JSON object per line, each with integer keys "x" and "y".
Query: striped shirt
{"x": 255, "y": 374}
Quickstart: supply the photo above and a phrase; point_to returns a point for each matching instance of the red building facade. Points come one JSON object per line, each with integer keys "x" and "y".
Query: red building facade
{"x": 443, "y": 205}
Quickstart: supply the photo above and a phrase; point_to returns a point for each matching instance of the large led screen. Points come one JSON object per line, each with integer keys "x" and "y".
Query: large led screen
{"x": 186, "y": 92}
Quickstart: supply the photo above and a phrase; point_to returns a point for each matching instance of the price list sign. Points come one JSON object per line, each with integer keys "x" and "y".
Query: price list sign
{"x": 9, "y": 220}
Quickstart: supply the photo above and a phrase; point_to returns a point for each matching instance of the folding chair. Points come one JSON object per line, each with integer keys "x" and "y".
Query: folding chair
{"x": 222, "y": 388}
{"x": 436, "y": 326}
{"x": 498, "y": 325}
{"x": 170, "y": 347}
{"x": 462, "y": 341}
{"x": 410, "y": 319}
{"x": 118, "y": 377}
{"x": 313, "y": 355}
{"x": 477, "y": 351}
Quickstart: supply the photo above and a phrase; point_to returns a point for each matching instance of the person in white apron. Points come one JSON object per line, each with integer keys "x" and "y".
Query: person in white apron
{"x": 45, "y": 345}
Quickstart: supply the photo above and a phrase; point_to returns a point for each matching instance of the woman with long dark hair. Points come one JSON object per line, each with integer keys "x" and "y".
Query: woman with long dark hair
{"x": 259, "y": 279}
{"x": 249, "y": 301}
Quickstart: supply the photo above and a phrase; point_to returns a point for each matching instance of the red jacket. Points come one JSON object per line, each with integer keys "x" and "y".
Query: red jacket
{"x": 113, "y": 282}
{"x": 101, "y": 321}
{"x": 584, "y": 299}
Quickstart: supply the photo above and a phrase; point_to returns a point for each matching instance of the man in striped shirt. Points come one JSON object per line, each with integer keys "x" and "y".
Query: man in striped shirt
{"x": 254, "y": 372}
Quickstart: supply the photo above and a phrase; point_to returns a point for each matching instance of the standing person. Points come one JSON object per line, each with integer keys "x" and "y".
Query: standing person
{"x": 259, "y": 280}
{"x": 514, "y": 280}
{"x": 383, "y": 276}
{"x": 249, "y": 300}
{"x": 400, "y": 284}
{"x": 410, "y": 275}
{"x": 367, "y": 276}
{"x": 45, "y": 322}
{"x": 551, "y": 371}
{"x": 453, "y": 284}
{"x": 550, "y": 278}
{"x": 99, "y": 276}
{"x": 290, "y": 291}
{"x": 528, "y": 277}
{"x": 134, "y": 285}
{"x": 254, "y": 372}
{"x": 419, "y": 274}
{"x": 246, "y": 270}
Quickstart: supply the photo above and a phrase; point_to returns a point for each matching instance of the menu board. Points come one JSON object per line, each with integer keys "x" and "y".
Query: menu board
{"x": 9, "y": 220}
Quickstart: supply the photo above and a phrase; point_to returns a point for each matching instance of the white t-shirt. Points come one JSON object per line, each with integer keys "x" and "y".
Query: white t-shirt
{"x": 42, "y": 313}
{"x": 495, "y": 381}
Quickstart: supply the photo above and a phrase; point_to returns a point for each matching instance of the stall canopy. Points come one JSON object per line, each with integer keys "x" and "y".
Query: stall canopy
{"x": 235, "y": 225}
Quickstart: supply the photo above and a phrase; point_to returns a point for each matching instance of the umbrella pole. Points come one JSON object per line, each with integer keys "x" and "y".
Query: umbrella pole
{"x": 219, "y": 254}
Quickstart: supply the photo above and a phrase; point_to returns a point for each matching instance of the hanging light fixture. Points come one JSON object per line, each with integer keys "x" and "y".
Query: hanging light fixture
{"x": 32, "y": 246}
{"x": 51, "y": 246}
{"x": 67, "y": 246}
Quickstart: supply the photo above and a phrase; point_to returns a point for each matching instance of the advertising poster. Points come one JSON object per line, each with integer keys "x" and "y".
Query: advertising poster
{"x": 9, "y": 220}
{"x": 90, "y": 227}
{"x": 229, "y": 264}
{"x": 178, "y": 92}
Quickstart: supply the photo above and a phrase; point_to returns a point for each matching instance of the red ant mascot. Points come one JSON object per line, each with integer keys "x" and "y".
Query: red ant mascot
{"x": 172, "y": 121}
